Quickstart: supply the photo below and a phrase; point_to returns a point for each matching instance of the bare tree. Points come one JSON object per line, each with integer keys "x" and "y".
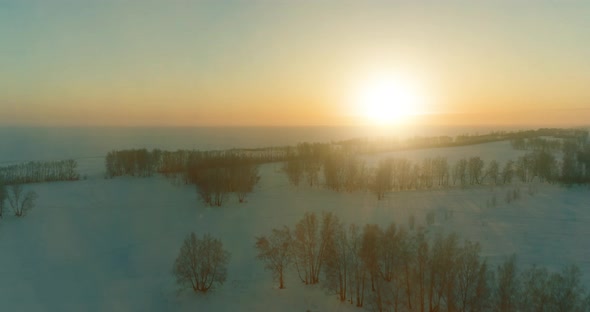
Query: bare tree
{"x": 471, "y": 279}
{"x": 304, "y": 247}
{"x": 460, "y": 172}
{"x": 19, "y": 201}
{"x": 312, "y": 171}
{"x": 370, "y": 250}
{"x": 507, "y": 172}
{"x": 358, "y": 272}
{"x": 567, "y": 291}
{"x": 3, "y": 196}
{"x": 441, "y": 171}
{"x": 294, "y": 170}
{"x": 422, "y": 252}
{"x": 492, "y": 172}
{"x": 244, "y": 178}
{"x": 390, "y": 289}
{"x": 507, "y": 287}
{"x": 201, "y": 263}
{"x": 442, "y": 273}
{"x": 338, "y": 262}
{"x": 310, "y": 245}
{"x": 275, "y": 251}
{"x": 536, "y": 294}
{"x": 475, "y": 167}
{"x": 334, "y": 171}
{"x": 383, "y": 180}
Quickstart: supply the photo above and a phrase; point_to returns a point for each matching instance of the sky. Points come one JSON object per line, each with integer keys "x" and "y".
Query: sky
{"x": 290, "y": 63}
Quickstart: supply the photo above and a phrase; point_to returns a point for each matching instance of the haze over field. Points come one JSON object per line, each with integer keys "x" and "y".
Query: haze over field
{"x": 296, "y": 63}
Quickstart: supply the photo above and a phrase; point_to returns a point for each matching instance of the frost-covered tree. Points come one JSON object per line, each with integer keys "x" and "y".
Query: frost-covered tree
{"x": 201, "y": 263}
{"x": 275, "y": 251}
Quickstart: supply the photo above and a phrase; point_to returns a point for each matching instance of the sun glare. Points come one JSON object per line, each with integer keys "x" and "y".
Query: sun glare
{"x": 390, "y": 100}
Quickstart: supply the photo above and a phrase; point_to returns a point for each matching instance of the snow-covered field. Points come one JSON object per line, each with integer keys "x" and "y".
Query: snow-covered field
{"x": 109, "y": 245}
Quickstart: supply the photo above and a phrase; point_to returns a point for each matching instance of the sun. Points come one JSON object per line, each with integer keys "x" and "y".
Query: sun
{"x": 390, "y": 100}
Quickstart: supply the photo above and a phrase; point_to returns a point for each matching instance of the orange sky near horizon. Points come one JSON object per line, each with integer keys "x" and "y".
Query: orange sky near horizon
{"x": 274, "y": 63}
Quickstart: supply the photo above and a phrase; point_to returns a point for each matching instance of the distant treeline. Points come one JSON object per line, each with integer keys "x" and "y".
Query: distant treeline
{"x": 345, "y": 171}
{"x": 219, "y": 172}
{"x": 537, "y": 144}
{"x": 214, "y": 173}
{"x": 141, "y": 162}
{"x": 144, "y": 163}
{"x": 38, "y": 171}
{"x": 400, "y": 269}
{"x": 364, "y": 145}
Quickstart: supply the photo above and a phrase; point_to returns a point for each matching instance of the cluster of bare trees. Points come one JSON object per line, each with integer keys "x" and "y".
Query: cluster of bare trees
{"x": 575, "y": 165}
{"x": 134, "y": 162}
{"x": 143, "y": 163}
{"x": 304, "y": 247}
{"x": 304, "y": 162}
{"x": 215, "y": 177}
{"x": 201, "y": 263}
{"x": 346, "y": 172}
{"x": 214, "y": 173}
{"x": 40, "y": 171}
{"x": 402, "y": 174}
{"x": 395, "y": 269}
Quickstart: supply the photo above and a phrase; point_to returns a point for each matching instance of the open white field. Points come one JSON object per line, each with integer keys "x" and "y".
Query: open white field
{"x": 109, "y": 245}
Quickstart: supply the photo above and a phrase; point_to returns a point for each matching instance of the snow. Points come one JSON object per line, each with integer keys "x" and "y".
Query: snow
{"x": 109, "y": 244}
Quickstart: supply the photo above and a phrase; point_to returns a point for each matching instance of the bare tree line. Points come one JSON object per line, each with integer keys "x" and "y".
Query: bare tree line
{"x": 40, "y": 171}
{"x": 339, "y": 170}
{"x": 396, "y": 269}
{"x": 346, "y": 172}
{"x": 145, "y": 163}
